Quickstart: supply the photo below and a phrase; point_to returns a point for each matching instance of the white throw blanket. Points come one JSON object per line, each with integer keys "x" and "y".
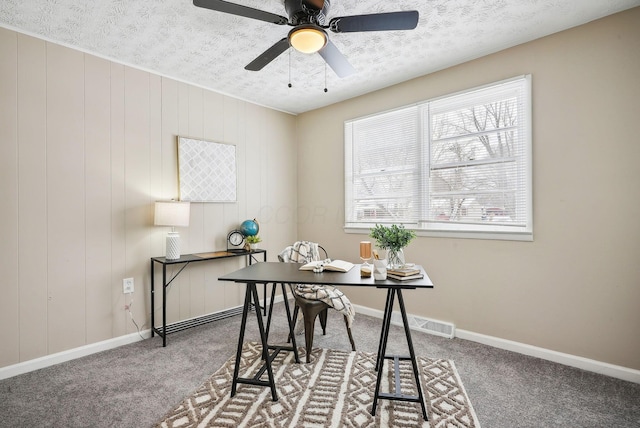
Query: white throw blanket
{"x": 305, "y": 252}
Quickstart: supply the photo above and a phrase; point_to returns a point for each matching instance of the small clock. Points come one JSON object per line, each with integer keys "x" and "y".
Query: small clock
{"x": 235, "y": 238}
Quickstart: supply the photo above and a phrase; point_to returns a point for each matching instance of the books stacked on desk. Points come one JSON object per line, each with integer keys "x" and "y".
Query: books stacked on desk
{"x": 404, "y": 274}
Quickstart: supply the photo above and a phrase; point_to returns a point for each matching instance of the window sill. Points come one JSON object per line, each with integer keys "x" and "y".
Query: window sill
{"x": 503, "y": 236}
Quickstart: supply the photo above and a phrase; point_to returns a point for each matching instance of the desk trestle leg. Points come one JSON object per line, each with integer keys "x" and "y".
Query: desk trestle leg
{"x": 397, "y": 395}
{"x": 293, "y": 348}
{"x": 250, "y": 293}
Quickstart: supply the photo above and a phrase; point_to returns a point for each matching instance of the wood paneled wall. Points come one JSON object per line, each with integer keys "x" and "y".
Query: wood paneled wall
{"x": 86, "y": 146}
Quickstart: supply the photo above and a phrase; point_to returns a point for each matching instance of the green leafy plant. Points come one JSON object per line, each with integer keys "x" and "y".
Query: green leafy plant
{"x": 392, "y": 237}
{"x": 253, "y": 239}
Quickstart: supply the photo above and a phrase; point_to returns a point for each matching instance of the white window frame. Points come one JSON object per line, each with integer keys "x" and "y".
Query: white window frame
{"x": 421, "y": 224}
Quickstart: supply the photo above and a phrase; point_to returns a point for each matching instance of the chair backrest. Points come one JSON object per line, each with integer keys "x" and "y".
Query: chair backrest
{"x": 326, "y": 256}
{"x": 290, "y": 253}
{"x": 290, "y": 249}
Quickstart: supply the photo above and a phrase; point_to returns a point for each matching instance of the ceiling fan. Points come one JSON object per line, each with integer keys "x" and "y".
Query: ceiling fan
{"x": 308, "y": 17}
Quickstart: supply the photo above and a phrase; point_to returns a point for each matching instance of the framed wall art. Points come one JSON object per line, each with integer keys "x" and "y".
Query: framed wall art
{"x": 207, "y": 171}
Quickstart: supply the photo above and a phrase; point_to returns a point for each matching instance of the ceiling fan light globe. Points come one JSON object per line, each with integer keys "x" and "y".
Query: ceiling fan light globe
{"x": 308, "y": 39}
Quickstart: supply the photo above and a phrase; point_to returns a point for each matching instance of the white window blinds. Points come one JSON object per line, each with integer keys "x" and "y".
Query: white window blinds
{"x": 384, "y": 168}
{"x": 459, "y": 163}
{"x": 478, "y": 159}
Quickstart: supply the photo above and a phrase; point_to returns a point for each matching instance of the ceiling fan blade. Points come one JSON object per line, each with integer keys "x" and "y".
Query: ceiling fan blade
{"x": 237, "y": 9}
{"x": 406, "y": 20}
{"x": 338, "y": 62}
{"x": 269, "y": 55}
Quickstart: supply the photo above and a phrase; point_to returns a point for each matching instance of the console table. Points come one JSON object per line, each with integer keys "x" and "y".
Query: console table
{"x": 186, "y": 260}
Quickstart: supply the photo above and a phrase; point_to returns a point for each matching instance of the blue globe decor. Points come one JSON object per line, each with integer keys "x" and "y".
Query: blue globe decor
{"x": 250, "y": 227}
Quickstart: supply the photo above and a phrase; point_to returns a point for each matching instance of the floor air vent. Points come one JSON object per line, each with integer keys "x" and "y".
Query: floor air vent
{"x": 193, "y": 322}
{"x": 439, "y": 328}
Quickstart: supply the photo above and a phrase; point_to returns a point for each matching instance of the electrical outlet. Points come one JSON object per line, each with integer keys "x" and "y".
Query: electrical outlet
{"x": 127, "y": 285}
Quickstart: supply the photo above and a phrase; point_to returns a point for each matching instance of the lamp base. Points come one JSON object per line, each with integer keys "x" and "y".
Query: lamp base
{"x": 173, "y": 246}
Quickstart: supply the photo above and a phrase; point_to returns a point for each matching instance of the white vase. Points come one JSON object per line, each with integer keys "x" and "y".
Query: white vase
{"x": 396, "y": 259}
{"x": 253, "y": 246}
{"x": 380, "y": 269}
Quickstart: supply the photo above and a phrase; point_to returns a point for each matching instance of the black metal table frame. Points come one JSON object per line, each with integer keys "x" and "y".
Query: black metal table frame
{"x": 186, "y": 260}
{"x": 251, "y": 293}
{"x": 393, "y": 289}
{"x": 382, "y": 349}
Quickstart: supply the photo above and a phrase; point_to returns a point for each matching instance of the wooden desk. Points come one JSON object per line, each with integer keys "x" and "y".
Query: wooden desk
{"x": 289, "y": 273}
{"x": 186, "y": 260}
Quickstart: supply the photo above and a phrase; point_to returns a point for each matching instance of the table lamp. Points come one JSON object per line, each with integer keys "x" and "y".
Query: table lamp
{"x": 174, "y": 214}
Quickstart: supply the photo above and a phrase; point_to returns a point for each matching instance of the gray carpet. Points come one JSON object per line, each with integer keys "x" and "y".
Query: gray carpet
{"x": 136, "y": 385}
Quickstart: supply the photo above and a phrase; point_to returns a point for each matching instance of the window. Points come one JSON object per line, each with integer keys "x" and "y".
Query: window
{"x": 457, "y": 166}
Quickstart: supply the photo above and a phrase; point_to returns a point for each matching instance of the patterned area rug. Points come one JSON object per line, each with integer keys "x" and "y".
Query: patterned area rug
{"x": 334, "y": 390}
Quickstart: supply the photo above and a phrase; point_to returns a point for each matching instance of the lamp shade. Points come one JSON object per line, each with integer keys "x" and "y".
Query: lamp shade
{"x": 172, "y": 213}
{"x": 308, "y": 39}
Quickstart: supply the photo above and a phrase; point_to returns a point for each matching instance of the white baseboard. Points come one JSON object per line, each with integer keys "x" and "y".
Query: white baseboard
{"x": 82, "y": 351}
{"x": 612, "y": 370}
{"x": 607, "y": 369}
{"x": 71, "y": 354}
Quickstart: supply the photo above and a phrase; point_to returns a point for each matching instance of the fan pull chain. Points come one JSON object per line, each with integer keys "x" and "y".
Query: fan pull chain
{"x": 325, "y": 78}
{"x": 290, "y": 85}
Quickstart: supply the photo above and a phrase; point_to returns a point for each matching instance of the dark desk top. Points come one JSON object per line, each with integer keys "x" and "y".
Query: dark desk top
{"x": 290, "y": 273}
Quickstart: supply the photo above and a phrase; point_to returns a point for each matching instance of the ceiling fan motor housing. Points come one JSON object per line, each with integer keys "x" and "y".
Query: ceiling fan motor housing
{"x": 307, "y": 11}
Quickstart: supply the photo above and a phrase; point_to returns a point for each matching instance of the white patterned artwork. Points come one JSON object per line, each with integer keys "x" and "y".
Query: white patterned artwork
{"x": 207, "y": 171}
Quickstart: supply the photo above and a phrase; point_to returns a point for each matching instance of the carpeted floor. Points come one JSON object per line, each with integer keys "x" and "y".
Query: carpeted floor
{"x": 138, "y": 384}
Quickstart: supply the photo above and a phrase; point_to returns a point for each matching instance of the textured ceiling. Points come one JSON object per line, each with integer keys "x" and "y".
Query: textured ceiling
{"x": 210, "y": 49}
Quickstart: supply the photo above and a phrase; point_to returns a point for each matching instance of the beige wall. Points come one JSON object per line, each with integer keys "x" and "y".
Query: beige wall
{"x": 86, "y": 147}
{"x": 576, "y": 288}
